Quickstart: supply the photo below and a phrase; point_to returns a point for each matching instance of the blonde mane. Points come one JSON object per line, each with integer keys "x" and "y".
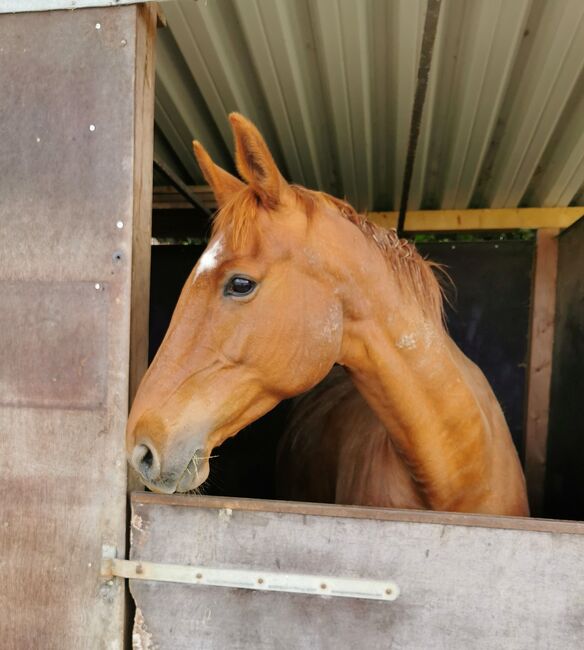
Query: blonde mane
{"x": 238, "y": 218}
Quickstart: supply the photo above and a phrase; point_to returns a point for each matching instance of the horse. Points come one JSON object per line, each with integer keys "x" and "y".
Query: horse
{"x": 336, "y": 450}
{"x": 293, "y": 283}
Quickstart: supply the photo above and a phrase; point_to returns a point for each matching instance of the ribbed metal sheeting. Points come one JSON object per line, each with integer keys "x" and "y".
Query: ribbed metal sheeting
{"x": 330, "y": 83}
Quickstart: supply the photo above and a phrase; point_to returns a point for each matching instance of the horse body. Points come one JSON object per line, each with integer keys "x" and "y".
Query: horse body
{"x": 293, "y": 282}
{"x": 336, "y": 450}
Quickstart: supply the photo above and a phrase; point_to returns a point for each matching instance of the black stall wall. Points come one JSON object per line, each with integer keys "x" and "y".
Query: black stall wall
{"x": 488, "y": 314}
{"x": 564, "y": 494}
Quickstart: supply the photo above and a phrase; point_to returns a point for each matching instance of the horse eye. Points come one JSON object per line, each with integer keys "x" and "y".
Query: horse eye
{"x": 238, "y": 286}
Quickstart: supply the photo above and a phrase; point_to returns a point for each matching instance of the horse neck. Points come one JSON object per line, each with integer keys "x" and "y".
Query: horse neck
{"x": 437, "y": 407}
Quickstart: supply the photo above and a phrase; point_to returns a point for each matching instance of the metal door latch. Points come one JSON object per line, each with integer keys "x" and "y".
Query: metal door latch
{"x": 297, "y": 583}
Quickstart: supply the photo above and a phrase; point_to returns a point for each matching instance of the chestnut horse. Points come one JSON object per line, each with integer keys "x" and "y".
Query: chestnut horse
{"x": 291, "y": 283}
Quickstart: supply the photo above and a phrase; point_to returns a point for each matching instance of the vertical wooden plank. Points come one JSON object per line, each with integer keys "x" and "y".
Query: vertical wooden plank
{"x": 142, "y": 209}
{"x": 564, "y": 497}
{"x": 147, "y": 19}
{"x": 541, "y": 341}
{"x": 74, "y": 185}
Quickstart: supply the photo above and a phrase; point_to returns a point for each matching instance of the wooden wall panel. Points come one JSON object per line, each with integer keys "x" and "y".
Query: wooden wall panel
{"x": 565, "y": 462}
{"x": 541, "y": 344}
{"x": 72, "y": 174}
{"x": 464, "y": 583}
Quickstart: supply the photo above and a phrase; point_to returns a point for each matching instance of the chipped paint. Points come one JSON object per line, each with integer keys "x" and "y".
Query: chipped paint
{"x": 209, "y": 259}
{"x": 138, "y": 523}
{"x": 225, "y": 514}
{"x": 141, "y": 637}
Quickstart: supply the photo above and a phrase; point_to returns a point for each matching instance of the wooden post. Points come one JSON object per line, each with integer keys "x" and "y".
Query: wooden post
{"x": 541, "y": 342}
{"x": 75, "y": 188}
{"x": 142, "y": 208}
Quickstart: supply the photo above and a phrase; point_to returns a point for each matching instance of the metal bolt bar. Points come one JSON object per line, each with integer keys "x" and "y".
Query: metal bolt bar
{"x": 252, "y": 579}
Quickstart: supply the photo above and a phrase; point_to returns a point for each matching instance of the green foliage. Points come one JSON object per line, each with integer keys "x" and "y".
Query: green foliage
{"x": 509, "y": 235}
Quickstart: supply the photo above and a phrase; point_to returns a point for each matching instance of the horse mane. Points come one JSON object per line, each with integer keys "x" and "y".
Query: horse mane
{"x": 416, "y": 275}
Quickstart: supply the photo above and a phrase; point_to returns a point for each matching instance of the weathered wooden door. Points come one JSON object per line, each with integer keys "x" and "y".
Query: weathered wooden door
{"x": 465, "y": 581}
{"x": 75, "y": 190}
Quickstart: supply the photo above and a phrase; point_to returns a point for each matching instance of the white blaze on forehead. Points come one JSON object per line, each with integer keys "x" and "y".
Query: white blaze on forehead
{"x": 209, "y": 259}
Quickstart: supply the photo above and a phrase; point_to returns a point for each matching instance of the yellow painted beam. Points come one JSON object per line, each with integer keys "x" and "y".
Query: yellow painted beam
{"x": 420, "y": 221}
{"x": 488, "y": 219}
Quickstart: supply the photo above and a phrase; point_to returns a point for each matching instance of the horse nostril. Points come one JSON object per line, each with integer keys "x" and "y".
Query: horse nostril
{"x": 146, "y": 462}
{"x": 147, "y": 459}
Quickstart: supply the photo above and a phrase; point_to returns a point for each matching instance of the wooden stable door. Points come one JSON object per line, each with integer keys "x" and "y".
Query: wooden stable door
{"x": 464, "y": 581}
{"x": 75, "y": 191}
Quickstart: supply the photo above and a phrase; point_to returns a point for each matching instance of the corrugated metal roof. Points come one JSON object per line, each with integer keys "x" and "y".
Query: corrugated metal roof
{"x": 330, "y": 83}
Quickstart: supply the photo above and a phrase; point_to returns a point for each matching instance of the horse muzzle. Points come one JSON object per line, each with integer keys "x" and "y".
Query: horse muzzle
{"x": 179, "y": 475}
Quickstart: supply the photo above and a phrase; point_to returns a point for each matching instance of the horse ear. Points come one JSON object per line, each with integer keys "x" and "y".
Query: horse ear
{"x": 223, "y": 184}
{"x": 255, "y": 163}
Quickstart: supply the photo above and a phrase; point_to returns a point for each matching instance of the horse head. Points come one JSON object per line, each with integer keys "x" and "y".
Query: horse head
{"x": 260, "y": 318}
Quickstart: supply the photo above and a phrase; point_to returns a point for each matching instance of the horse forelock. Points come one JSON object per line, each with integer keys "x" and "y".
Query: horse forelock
{"x": 237, "y": 220}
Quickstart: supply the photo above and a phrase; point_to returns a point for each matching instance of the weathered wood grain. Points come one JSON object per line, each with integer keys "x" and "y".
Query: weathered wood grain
{"x": 142, "y": 192}
{"x": 361, "y": 512}
{"x": 462, "y": 586}
{"x": 541, "y": 343}
{"x": 68, "y": 170}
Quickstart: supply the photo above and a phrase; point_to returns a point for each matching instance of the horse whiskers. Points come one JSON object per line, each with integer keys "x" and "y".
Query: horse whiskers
{"x": 197, "y": 491}
{"x": 197, "y": 457}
